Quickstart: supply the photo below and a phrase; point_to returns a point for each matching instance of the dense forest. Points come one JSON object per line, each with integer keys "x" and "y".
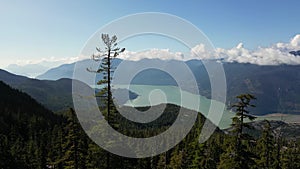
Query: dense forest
{"x": 34, "y": 137}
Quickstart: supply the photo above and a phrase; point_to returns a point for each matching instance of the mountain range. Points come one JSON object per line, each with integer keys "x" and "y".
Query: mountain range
{"x": 32, "y": 69}
{"x": 55, "y": 95}
{"x": 277, "y": 88}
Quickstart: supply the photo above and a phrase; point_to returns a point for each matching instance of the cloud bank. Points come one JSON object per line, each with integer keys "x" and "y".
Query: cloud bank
{"x": 163, "y": 54}
{"x": 48, "y": 62}
{"x": 273, "y": 55}
{"x": 33, "y": 68}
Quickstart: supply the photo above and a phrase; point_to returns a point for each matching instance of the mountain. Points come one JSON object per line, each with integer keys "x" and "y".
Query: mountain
{"x": 143, "y": 78}
{"x": 33, "y": 69}
{"x": 30, "y": 70}
{"x": 66, "y": 70}
{"x": 295, "y": 53}
{"x": 16, "y": 105}
{"x": 277, "y": 88}
{"x": 55, "y": 95}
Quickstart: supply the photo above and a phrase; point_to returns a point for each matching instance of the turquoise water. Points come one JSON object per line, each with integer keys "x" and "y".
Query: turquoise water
{"x": 154, "y": 95}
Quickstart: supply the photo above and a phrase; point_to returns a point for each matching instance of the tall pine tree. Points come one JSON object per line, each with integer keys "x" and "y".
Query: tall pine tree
{"x": 238, "y": 155}
{"x": 106, "y": 56}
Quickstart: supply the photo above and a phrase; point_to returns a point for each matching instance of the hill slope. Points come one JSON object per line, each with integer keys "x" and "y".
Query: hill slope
{"x": 66, "y": 70}
{"x": 25, "y": 128}
{"x": 16, "y": 106}
{"x": 55, "y": 95}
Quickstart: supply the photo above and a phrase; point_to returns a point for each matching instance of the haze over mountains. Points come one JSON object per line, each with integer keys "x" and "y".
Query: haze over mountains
{"x": 277, "y": 87}
{"x": 35, "y": 68}
{"x": 29, "y": 70}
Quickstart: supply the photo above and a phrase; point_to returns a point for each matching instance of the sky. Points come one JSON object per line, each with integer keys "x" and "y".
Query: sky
{"x": 56, "y": 31}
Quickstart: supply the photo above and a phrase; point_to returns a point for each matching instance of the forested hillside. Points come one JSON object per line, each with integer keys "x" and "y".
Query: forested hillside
{"x": 55, "y": 95}
{"x": 33, "y": 137}
{"x": 25, "y": 130}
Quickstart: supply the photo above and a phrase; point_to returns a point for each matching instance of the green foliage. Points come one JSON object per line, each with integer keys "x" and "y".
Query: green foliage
{"x": 33, "y": 137}
{"x": 55, "y": 95}
{"x": 265, "y": 147}
{"x": 75, "y": 146}
{"x": 106, "y": 56}
{"x": 237, "y": 153}
{"x": 291, "y": 156}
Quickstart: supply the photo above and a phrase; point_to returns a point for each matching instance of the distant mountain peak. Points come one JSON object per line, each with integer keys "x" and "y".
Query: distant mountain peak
{"x": 29, "y": 70}
{"x": 295, "y": 53}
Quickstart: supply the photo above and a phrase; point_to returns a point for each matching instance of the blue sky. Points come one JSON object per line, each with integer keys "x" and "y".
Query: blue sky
{"x": 31, "y": 30}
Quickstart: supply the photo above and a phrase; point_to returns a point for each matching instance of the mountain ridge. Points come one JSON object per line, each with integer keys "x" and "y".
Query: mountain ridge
{"x": 277, "y": 87}
{"x": 55, "y": 95}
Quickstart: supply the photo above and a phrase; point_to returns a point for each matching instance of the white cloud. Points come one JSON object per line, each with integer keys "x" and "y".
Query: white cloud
{"x": 201, "y": 52}
{"x": 33, "y": 68}
{"x": 240, "y": 46}
{"x": 296, "y": 41}
{"x": 273, "y": 55}
{"x": 48, "y": 62}
{"x": 163, "y": 54}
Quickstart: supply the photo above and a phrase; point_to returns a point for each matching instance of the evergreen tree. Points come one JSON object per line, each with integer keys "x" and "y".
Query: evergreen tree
{"x": 6, "y": 159}
{"x": 237, "y": 154}
{"x": 162, "y": 162}
{"x": 176, "y": 161}
{"x": 228, "y": 159}
{"x": 277, "y": 154}
{"x": 291, "y": 156}
{"x": 55, "y": 157}
{"x": 75, "y": 146}
{"x": 198, "y": 155}
{"x": 94, "y": 157}
{"x": 265, "y": 147}
{"x": 106, "y": 57}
